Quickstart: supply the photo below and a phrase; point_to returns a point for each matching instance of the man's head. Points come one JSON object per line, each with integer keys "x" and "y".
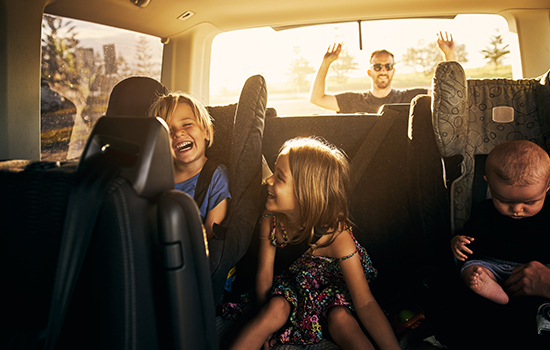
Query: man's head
{"x": 381, "y": 69}
{"x": 518, "y": 173}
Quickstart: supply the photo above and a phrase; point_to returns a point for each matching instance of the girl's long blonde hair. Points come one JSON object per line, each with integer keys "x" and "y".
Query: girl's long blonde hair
{"x": 320, "y": 172}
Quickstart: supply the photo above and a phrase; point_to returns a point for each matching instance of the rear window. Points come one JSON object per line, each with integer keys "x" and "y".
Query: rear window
{"x": 81, "y": 63}
{"x": 289, "y": 58}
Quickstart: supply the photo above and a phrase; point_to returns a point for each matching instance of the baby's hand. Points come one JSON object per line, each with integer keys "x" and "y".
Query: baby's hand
{"x": 458, "y": 246}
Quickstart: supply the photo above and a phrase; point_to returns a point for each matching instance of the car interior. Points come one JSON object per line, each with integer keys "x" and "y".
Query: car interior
{"x": 98, "y": 251}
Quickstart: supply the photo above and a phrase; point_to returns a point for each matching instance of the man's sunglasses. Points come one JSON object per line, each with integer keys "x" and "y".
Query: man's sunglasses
{"x": 378, "y": 66}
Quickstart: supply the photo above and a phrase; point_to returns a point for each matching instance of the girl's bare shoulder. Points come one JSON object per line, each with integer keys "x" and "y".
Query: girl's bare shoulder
{"x": 342, "y": 245}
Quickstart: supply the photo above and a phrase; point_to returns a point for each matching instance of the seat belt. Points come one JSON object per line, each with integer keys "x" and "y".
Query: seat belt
{"x": 203, "y": 182}
{"x": 83, "y": 207}
{"x": 369, "y": 147}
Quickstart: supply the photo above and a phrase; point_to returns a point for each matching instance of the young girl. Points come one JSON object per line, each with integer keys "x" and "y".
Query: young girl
{"x": 191, "y": 134}
{"x": 322, "y": 290}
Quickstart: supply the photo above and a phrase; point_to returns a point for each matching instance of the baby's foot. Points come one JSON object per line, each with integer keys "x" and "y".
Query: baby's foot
{"x": 481, "y": 283}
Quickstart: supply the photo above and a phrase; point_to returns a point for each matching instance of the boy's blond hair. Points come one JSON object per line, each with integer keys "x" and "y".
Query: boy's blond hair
{"x": 519, "y": 163}
{"x": 320, "y": 173}
{"x": 165, "y": 105}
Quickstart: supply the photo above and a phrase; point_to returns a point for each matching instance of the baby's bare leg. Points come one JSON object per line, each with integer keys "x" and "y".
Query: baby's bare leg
{"x": 483, "y": 282}
{"x": 345, "y": 330}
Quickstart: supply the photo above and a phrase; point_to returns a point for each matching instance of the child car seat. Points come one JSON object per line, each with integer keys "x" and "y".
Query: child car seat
{"x": 468, "y": 120}
{"x": 238, "y": 132}
{"x": 471, "y": 117}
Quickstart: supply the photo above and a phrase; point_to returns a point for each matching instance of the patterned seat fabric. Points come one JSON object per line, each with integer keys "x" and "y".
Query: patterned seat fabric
{"x": 462, "y": 115}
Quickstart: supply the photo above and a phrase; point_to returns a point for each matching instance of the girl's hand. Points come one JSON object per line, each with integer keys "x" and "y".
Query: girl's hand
{"x": 458, "y": 246}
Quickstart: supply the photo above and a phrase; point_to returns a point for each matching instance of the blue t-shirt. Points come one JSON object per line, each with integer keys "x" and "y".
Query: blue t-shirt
{"x": 218, "y": 190}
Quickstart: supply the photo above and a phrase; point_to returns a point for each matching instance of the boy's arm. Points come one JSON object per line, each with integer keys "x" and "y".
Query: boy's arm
{"x": 215, "y": 215}
{"x": 218, "y": 189}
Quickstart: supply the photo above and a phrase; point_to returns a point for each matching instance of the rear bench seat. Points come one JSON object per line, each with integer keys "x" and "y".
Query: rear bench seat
{"x": 403, "y": 225}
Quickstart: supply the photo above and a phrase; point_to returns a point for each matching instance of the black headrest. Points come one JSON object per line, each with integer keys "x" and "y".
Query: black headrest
{"x": 133, "y": 96}
{"x": 141, "y": 147}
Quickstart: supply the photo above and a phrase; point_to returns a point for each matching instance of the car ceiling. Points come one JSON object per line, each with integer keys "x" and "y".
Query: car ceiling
{"x": 160, "y": 17}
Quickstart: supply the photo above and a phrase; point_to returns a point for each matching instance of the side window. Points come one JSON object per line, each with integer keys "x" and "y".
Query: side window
{"x": 81, "y": 63}
{"x": 289, "y": 58}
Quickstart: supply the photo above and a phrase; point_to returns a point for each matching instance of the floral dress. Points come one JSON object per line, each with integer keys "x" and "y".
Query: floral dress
{"x": 313, "y": 284}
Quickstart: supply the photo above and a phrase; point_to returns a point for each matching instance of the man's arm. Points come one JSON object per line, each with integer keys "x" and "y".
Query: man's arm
{"x": 447, "y": 46}
{"x": 318, "y": 96}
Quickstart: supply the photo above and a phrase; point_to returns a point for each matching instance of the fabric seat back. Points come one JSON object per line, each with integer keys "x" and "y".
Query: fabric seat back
{"x": 467, "y": 121}
{"x": 238, "y": 133}
{"x": 145, "y": 281}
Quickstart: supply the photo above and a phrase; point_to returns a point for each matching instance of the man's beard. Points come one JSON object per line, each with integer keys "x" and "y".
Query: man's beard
{"x": 382, "y": 83}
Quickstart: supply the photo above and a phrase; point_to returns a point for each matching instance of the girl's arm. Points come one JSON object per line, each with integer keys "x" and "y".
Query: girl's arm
{"x": 216, "y": 215}
{"x": 368, "y": 310}
{"x": 266, "y": 259}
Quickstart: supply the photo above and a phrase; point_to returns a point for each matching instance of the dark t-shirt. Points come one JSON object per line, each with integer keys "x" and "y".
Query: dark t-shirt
{"x": 500, "y": 237}
{"x": 355, "y": 102}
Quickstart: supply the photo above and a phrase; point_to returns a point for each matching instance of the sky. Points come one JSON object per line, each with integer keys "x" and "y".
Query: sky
{"x": 267, "y": 52}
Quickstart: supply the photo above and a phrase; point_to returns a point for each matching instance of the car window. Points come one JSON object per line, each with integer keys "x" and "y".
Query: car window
{"x": 289, "y": 58}
{"x": 81, "y": 63}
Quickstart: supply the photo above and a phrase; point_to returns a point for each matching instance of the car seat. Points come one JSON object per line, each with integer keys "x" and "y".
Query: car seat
{"x": 134, "y": 95}
{"x": 144, "y": 281}
{"x": 238, "y": 132}
{"x": 472, "y": 116}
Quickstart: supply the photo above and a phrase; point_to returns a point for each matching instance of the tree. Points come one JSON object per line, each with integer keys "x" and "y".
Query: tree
{"x": 70, "y": 71}
{"x": 144, "y": 65}
{"x": 495, "y": 52}
{"x": 299, "y": 70}
{"x": 424, "y": 57}
{"x": 342, "y": 66}
{"x": 58, "y": 48}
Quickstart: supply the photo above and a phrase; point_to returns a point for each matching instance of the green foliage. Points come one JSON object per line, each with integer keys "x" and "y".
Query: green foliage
{"x": 144, "y": 65}
{"x": 424, "y": 57}
{"x": 68, "y": 68}
{"x": 55, "y": 138}
{"x": 496, "y": 50}
{"x": 299, "y": 70}
{"x": 342, "y": 66}
{"x": 58, "y": 49}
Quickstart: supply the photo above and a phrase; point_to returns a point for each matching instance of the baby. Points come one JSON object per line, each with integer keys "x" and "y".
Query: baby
{"x": 511, "y": 229}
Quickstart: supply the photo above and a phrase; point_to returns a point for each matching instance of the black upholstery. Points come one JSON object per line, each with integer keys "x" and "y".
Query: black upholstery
{"x": 133, "y": 96}
{"x": 32, "y": 210}
{"x": 238, "y": 144}
{"x": 145, "y": 281}
{"x": 385, "y": 203}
